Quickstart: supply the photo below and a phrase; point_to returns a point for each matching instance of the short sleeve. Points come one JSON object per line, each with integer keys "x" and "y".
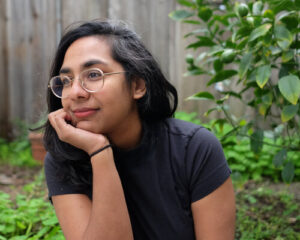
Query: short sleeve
{"x": 207, "y": 168}
{"x": 55, "y": 182}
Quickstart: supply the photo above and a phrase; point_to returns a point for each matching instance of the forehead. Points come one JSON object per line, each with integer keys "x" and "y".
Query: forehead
{"x": 86, "y": 49}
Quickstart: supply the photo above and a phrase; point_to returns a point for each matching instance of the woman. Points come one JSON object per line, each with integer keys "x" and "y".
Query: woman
{"x": 118, "y": 165}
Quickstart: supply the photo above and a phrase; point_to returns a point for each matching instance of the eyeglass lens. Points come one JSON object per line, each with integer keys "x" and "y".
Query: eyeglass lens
{"x": 91, "y": 81}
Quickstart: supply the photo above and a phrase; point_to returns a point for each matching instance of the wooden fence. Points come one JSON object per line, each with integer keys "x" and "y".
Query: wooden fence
{"x": 30, "y": 31}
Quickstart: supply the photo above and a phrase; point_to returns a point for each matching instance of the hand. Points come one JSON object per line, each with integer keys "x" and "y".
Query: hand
{"x": 87, "y": 141}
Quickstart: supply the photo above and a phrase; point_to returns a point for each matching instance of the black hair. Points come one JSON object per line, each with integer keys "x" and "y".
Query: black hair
{"x": 159, "y": 102}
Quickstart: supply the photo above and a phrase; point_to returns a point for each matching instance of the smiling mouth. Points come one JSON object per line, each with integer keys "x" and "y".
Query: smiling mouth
{"x": 83, "y": 113}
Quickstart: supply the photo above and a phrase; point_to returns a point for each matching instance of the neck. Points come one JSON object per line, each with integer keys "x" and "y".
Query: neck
{"x": 128, "y": 135}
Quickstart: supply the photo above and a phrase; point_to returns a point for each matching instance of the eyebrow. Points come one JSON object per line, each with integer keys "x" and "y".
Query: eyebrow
{"x": 85, "y": 65}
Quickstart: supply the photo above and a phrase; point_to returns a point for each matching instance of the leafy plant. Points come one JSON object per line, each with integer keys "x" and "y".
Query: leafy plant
{"x": 255, "y": 46}
{"x": 265, "y": 214}
{"x": 16, "y": 153}
{"x": 30, "y": 216}
{"x": 246, "y": 164}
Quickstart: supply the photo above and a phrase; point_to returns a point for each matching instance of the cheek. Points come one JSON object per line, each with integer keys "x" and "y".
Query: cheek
{"x": 65, "y": 104}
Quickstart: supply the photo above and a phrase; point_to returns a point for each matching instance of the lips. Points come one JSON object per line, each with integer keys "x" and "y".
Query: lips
{"x": 84, "y": 112}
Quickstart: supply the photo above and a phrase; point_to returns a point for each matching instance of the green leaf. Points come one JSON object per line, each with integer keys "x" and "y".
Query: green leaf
{"x": 256, "y": 142}
{"x": 192, "y": 22}
{"x": 222, "y": 75}
{"x": 179, "y": 15}
{"x": 279, "y": 158}
{"x": 194, "y": 72}
{"x": 263, "y": 108}
{"x": 288, "y": 112}
{"x": 205, "y": 13}
{"x": 289, "y": 87}
{"x": 288, "y": 172}
{"x": 257, "y": 8}
{"x": 263, "y": 74}
{"x": 287, "y": 56}
{"x": 202, "y": 96}
{"x": 185, "y": 3}
{"x": 260, "y": 31}
{"x": 269, "y": 14}
{"x": 245, "y": 64}
{"x": 283, "y": 36}
{"x": 267, "y": 99}
{"x": 204, "y": 42}
{"x": 218, "y": 65}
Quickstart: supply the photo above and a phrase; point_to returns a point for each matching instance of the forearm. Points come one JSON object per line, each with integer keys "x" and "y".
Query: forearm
{"x": 109, "y": 217}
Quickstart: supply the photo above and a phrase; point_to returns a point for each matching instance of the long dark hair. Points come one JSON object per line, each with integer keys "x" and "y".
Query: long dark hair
{"x": 159, "y": 102}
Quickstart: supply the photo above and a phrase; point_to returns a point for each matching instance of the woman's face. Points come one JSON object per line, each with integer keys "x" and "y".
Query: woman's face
{"x": 111, "y": 108}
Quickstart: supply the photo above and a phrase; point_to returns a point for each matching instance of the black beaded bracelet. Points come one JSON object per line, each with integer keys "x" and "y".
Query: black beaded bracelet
{"x": 100, "y": 150}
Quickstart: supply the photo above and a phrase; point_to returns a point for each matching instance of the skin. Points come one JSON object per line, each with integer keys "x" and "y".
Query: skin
{"x": 111, "y": 116}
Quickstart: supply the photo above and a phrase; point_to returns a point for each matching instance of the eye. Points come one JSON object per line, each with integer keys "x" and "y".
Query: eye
{"x": 65, "y": 81}
{"x": 94, "y": 75}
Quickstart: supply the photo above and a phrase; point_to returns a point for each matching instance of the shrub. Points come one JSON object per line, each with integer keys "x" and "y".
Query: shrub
{"x": 254, "y": 45}
{"x": 30, "y": 216}
{"x": 244, "y": 163}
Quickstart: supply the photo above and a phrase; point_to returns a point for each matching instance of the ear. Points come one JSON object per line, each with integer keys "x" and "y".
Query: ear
{"x": 138, "y": 87}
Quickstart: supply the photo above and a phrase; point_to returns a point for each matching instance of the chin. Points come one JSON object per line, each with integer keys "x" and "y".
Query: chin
{"x": 87, "y": 126}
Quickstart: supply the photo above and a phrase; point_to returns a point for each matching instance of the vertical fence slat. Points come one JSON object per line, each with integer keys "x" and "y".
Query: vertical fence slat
{"x": 43, "y": 42}
{"x": 4, "y": 105}
{"x": 82, "y": 10}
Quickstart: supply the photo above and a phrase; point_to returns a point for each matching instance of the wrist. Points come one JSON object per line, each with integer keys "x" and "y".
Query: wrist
{"x": 100, "y": 150}
{"x": 97, "y": 144}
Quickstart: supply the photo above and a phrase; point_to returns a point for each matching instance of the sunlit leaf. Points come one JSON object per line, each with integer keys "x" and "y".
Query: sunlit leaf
{"x": 287, "y": 56}
{"x": 192, "y": 22}
{"x": 178, "y": 15}
{"x": 288, "y": 112}
{"x": 262, "y": 75}
{"x": 257, "y": 8}
{"x": 201, "y": 96}
{"x": 186, "y": 3}
{"x": 289, "y": 87}
{"x": 283, "y": 36}
{"x": 260, "y": 31}
{"x": 263, "y": 109}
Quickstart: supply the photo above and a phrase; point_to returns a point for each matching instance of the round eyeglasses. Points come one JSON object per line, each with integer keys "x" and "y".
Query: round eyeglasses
{"x": 91, "y": 80}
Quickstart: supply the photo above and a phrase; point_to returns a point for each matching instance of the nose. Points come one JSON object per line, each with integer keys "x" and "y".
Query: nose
{"x": 76, "y": 90}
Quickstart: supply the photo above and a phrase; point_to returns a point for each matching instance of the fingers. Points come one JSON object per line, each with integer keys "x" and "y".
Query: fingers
{"x": 79, "y": 138}
{"x": 58, "y": 122}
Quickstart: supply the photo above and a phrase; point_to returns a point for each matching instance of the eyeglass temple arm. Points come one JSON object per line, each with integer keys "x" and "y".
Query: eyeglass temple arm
{"x": 111, "y": 73}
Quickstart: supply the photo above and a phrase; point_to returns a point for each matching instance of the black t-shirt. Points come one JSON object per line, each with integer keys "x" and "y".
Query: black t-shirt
{"x": 177, "y": 163}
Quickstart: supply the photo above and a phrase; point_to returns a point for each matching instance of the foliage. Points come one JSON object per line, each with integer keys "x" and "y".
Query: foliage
{"x": 244, "y": 163}
{"x": 16, "y": 153}
{"x": 265, "y": 214}
{"x": 255, "y": 46}
{"x": 30, "y": 216}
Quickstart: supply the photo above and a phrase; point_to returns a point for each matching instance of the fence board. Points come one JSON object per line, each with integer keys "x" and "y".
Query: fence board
{"x": 4, "y": 107}
{"x": 31, "y": 40}
{"x": 45, "y": 26}
{"x": 82, "y": 10}
{"x": 30, "y": 31}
